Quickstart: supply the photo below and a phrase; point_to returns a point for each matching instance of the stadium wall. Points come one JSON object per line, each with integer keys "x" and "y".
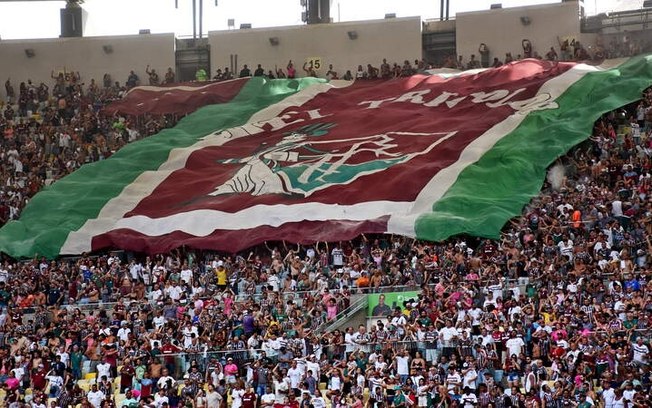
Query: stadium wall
{"x": 396, "y": 39}
{"x": 502, "y": 30}
{"x": 88, "y": 55}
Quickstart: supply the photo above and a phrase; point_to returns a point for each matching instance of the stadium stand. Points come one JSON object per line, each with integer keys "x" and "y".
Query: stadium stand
{"x": 555, "y": 314}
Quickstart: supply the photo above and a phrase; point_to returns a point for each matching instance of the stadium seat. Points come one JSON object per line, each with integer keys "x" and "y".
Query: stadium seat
{"x": 84, "y": 385}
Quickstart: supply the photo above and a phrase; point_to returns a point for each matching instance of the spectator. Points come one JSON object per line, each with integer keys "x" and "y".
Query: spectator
{"x": 245, "y": 72}
{"x": 169, "y": 76}
{"x": 331, "y": 73}
{"x": 154, "y": 80}
{"x": 291, "y": 71}
{"x": 483, "y": 50}
{"x": 132, "y": 80}
{"x": 309, "y": 70}
{"x": 473, "y": 63}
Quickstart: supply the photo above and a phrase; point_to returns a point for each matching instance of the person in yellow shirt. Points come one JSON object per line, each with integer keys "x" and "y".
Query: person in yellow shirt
{"x": 220, "y": 273}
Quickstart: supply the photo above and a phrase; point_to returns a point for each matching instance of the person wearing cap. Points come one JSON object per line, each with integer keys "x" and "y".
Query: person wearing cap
{"x": 400, "y": 400}
{"x": 237, "y": 394}
{"x": 230, "y": 371}
{"x": 313, "y": 367}
{"x": 221, "y": 275}
{"x": 38, "y": 378}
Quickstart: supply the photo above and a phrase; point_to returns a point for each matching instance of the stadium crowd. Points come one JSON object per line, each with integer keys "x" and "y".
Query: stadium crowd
{"x": 556, "y": 314}
{"x": 48, "y": 133}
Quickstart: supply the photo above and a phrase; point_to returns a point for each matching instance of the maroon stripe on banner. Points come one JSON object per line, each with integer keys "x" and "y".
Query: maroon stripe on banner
{"x": 169, "y": 100}
{"x": 305, "y": 232}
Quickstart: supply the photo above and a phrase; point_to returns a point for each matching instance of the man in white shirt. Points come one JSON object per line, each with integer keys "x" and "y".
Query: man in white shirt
{"x": 104, "y": 369}
{"x": 446, "y": 335}
{"x": 165, "y": 382}
{"x": 514, "y": 344}
{"x": 63, "y": 354}
{"x": 361, "y": 338}
{"x": 453, "y": 379}
{"x": 469, "y": 400}
{"x": 159, "y": 320}
{"x": 56, "y": 383}
{"x": 566, "y": 247}
{"x": 124, "y": 331}
{"x": 157, "y": 294}
{"x": 640, "y": 352}
{"x": 470, "y": 376}
{"x": 338, "y": 257}
{"x": 174, "y": 291}
{"x": 402, "y": 362}
{"x": 313, "y": 367}
{"x": 294, "y": 375}
{"x": 160, "y": 398}
{"x": 349, "y": 341}
{"x": 4, "y": 274}
{"x": 318, "y": 400}
{"x": 608, "y": 394}
{"x": 282, "y": 388}
{"x": 268, "y": 398}
{"x": 476, "y": 314}
{"x": 186, "y": 275}
{"x": 135, "y": 270}
{"x": 188, "y": 331}
{"x": 236, "y": 396}
{"x": 95, "y": 396}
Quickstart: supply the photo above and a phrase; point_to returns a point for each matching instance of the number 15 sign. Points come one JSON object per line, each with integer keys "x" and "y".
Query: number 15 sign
{"x": 314, "y": 63}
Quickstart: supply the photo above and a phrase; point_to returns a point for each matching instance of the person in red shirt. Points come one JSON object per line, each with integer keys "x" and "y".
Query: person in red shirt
{"x": 249, "y": 399}
{"x": 127, "y": 373}
{"x": 169, "y": 348}
{"x": 38, "y": 378}
{"x": 287, "y": 404}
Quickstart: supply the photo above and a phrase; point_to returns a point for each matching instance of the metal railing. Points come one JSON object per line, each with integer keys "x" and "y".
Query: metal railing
{"x": 354, "y": 307}
{"x": 206, "y": 361}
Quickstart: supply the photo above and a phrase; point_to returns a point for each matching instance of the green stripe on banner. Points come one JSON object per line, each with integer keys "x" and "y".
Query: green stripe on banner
{"x": 46, "y": 221}
{"x": 494, "y": 189}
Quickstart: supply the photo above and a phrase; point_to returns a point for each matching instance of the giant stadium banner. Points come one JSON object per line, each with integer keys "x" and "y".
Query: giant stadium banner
{"x": 428, "y": 156}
